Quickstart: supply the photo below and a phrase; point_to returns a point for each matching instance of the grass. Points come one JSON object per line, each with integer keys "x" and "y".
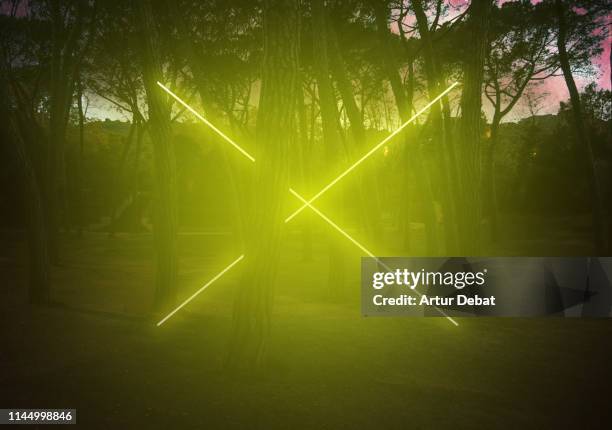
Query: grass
{"x": 328, "y": 367}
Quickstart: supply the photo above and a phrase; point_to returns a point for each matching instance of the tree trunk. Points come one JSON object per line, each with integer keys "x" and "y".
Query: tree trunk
{"x": 405, "y": 212}
{"x": 79, "y": 208}
{"x": 439, "y": 120}
{"x": 391, "y": 68}
{"x": 276, "y": 123}
{"x": 599, "y": 225}
{"x": 65, "y": 59}
{"x": 39, "y": 290}
{"x": 166, "y": 202}
{"x": 489, "y": 186}
{"x": 369, "y": 197}
{"x": 327, "y": 99}
{"x": 61, "y": 94}
{"x": 345, "y": 88}
{"x": 470, "y": 216}
{"x": 304, "y": 154}
{"x": 331, "y": 134}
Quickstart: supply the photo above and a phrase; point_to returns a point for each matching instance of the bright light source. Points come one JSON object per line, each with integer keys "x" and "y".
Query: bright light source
{"x": 370, "y": 152}
{"x": 208, "y": 123}
{"x": 363, "y": 248}
{"x": 200, "y": 290}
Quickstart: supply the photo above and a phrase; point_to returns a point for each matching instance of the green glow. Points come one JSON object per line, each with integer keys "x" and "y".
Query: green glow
{"x": 208, "y": 123}
{"x": 370, "y": 152}
{"x": 200, "y": 290}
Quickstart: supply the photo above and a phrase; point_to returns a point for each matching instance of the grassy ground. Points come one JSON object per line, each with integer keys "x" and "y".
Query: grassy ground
{"x": 328, "y": 367}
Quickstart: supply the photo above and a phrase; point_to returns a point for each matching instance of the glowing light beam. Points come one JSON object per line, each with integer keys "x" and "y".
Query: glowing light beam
{"x": 193, "y": 296}
{"x": 370, "y": 152}
{"x": 333, "y": 224}
{"x": 207, "y": 122}
{"x": 361, "y": 247}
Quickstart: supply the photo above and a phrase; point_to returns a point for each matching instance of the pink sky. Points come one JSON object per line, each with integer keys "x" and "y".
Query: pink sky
{"x": 555, "y": 86}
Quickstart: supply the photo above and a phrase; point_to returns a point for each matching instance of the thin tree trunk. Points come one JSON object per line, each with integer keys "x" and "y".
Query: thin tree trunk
{"x": 327, "y": 99}
{"x": 305, "y": 166}
{"x": 440, "y": 117}
{"x": 38, "y": 290}
{"x": 391, "y": 68}
{"x": 599, "y": 225}
{"x": 408, "y": 198}
{"x": 166, "y": 202}
{"x": 79, "y": 207}
{"x": 55, "y": 183}
{"x": 369, "y": 189}
{"x": 345, "y": 88}
{"x": 64, "y": 60}
{"x": 471, "y": 129}
{"x": 331, "y": 135}
{"x": 135, "y": 178}
{"x": 489, "y": 187}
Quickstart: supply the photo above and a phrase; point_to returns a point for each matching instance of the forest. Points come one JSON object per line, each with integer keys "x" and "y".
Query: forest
{"x": 187, "y": 187}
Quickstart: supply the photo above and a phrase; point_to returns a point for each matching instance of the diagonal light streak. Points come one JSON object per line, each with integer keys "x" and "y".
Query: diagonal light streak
{"x": 370, "y": 152}
{"x": 361, "y": 247}
{"x": 193, "y": 296}
{"x": 304, "y": 201}
{"x": 333, "y": 224}
{"x": 207, "y": 122}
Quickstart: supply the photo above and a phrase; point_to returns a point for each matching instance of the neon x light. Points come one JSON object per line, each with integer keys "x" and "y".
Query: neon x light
{"x": 306, "y": 203}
